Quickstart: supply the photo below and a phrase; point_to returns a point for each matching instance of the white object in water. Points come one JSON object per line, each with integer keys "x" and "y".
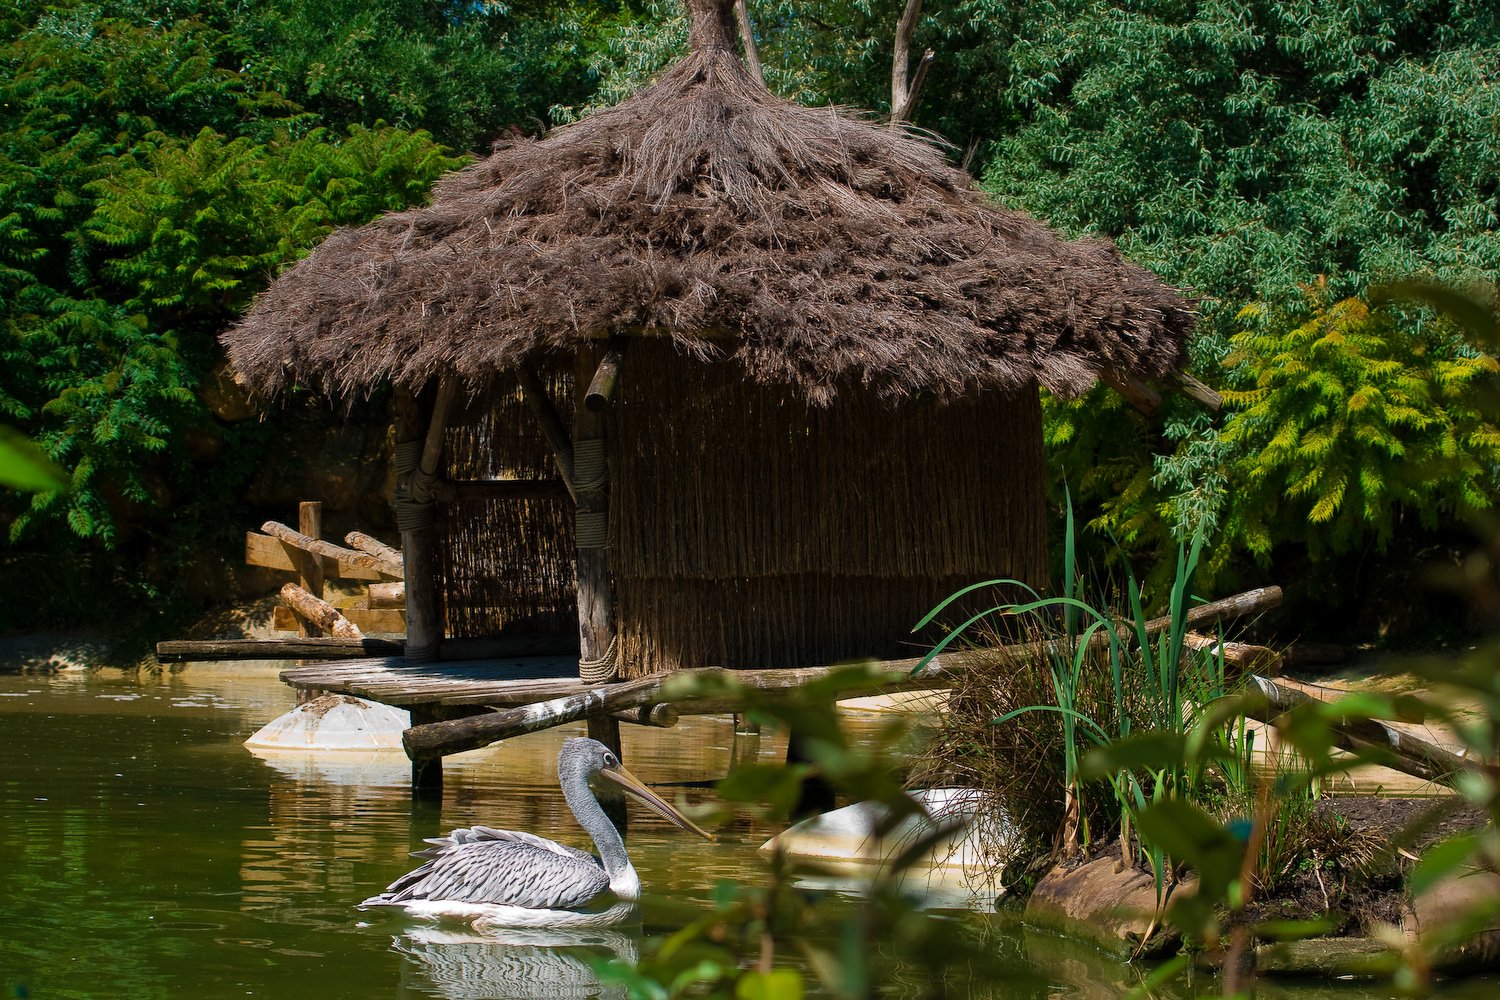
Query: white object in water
{"x": 334, "y": 722}
{"x": 848, "y": 834}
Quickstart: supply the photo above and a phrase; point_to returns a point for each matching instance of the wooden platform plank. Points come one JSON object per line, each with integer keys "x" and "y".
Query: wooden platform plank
{"x": 392, "y": 681}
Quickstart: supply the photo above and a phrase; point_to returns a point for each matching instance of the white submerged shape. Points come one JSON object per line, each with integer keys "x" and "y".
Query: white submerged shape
{"x": 334, "y": 722}
{"x": 502, "y": 878}
{"x": 846, "y": 840}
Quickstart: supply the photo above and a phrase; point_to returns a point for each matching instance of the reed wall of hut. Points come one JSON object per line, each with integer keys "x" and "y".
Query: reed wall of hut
{"x": 748, "y": 527}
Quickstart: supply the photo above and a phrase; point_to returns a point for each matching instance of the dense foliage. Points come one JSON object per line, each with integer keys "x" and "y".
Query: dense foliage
{"x": 152, "y": 179}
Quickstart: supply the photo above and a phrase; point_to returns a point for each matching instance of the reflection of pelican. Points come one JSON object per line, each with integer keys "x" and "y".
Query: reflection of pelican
{"x": 515, "y": 964}
{"x": 499, "y": 878}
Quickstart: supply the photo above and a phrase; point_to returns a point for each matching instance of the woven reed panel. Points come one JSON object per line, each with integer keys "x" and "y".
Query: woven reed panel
{"x": 505, "y": 566}
{"x": 750, "y": 529}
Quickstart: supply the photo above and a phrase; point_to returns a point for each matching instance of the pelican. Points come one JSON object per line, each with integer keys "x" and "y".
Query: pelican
{"x": 501, "y": 878}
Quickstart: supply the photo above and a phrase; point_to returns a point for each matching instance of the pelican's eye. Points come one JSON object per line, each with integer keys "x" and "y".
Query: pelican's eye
{"x": 610, "y": 761}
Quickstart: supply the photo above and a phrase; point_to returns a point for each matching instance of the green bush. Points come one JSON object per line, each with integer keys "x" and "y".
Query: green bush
{"x": 1351, "y": 425}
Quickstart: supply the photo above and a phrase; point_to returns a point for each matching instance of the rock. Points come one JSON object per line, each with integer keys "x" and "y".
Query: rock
{"x": 1455, "y": 921}
{"x": 334, "y": 722}
{"x": 1115, "y": 909}
{"x": 1329, "y": 957}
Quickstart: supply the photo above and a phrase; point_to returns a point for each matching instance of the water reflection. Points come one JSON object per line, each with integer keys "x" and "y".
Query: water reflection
{"x": 513, "y": 964}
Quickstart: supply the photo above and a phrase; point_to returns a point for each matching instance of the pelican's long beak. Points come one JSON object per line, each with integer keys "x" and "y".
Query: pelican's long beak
{"x": 655, "y": 803}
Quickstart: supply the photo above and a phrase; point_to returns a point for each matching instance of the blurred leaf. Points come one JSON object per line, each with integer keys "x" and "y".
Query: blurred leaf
{"x": 23, "y": 466}
{"x": 778, "y": 984}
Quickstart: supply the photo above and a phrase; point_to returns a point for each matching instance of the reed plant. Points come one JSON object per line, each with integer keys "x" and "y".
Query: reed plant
{"x": 1078, "y": 713}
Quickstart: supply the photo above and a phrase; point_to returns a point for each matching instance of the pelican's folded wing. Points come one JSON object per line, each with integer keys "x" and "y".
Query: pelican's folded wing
{"x": 499, "y": 866}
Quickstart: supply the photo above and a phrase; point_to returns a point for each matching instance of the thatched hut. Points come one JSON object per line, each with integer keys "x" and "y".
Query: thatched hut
{"x": 827, "y": 344}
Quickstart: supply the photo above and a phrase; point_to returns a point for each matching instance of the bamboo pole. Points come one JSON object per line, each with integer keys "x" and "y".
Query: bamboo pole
{"x": 600, "y": 397}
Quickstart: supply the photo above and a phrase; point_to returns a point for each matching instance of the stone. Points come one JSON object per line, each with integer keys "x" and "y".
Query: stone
{"x": 1329, "y": 957}
{"x": 1456, "y": 923}
{"x": 1115, "y": 908}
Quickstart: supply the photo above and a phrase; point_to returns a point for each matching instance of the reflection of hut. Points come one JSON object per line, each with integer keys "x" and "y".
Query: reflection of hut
{"x": 827, "y": 342}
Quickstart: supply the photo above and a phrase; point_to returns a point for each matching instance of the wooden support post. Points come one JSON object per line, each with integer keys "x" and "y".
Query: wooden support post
{"x": 419, "y": 444}
{"x": 426, "y": 772}
{"x": 310, "y": 567}
{"x": 596, "y": 600}
{"x": 815, "y": 795}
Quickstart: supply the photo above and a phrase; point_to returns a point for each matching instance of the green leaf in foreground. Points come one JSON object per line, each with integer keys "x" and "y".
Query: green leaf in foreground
{"x": 23, "y": 466}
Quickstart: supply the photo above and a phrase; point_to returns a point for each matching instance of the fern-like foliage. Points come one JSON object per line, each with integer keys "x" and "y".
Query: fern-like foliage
{"x": 1352, "y": 425}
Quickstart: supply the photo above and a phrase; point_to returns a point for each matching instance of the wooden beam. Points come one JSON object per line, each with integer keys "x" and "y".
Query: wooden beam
{"x": 550, "y": 423}
{"x": 1137, "y": 393}
{"x": 223, "y": 650}
{"x": 274, "y": 553}
{"x": 209, "y": 650}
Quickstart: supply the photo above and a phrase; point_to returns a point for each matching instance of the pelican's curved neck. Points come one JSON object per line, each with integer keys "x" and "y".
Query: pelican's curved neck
{"x": 607, "y": 840}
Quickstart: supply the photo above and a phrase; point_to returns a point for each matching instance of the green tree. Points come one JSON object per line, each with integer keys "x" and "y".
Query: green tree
{"x": 1240, "y": 150}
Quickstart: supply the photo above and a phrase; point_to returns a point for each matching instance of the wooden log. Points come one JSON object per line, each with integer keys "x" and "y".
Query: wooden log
{"x": 552, "y": 427}
{"x": 387, "y": 595}
{"x": 327, "y": 550}
{"x": 600, "y": 397}
{"x": 469, "y": 734}
{"x": 1241, "y": 658}
{"x": 660, "y": 716}
{"x": 1137, "y": 393}
{"x": 273, "y": 553}
{"x": 211, "y": 650}
{"x": 319, "y": 612}
{"x": 1398, "y": 748}
{"x": 439, "y": 739}
{"x": 432, "y": 443}
{"x": 1197, "y": 391}
{"x": 387, "y": 559}
{"x": 367, "y": 620}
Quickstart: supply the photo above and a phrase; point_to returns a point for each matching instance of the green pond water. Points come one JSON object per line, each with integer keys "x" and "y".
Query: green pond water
{"x": 147, "y": 853}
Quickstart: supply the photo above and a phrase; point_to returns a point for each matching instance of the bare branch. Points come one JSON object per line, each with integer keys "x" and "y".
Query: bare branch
{"x": 747, "y": 36}
{"x": 909, "y": 106}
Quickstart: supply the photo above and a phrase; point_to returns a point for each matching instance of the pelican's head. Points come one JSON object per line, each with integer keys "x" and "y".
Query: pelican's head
{"x": 591, "y": 759}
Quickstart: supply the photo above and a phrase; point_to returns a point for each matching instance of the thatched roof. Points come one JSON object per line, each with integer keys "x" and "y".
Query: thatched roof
{"x": 817, "y": 248}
